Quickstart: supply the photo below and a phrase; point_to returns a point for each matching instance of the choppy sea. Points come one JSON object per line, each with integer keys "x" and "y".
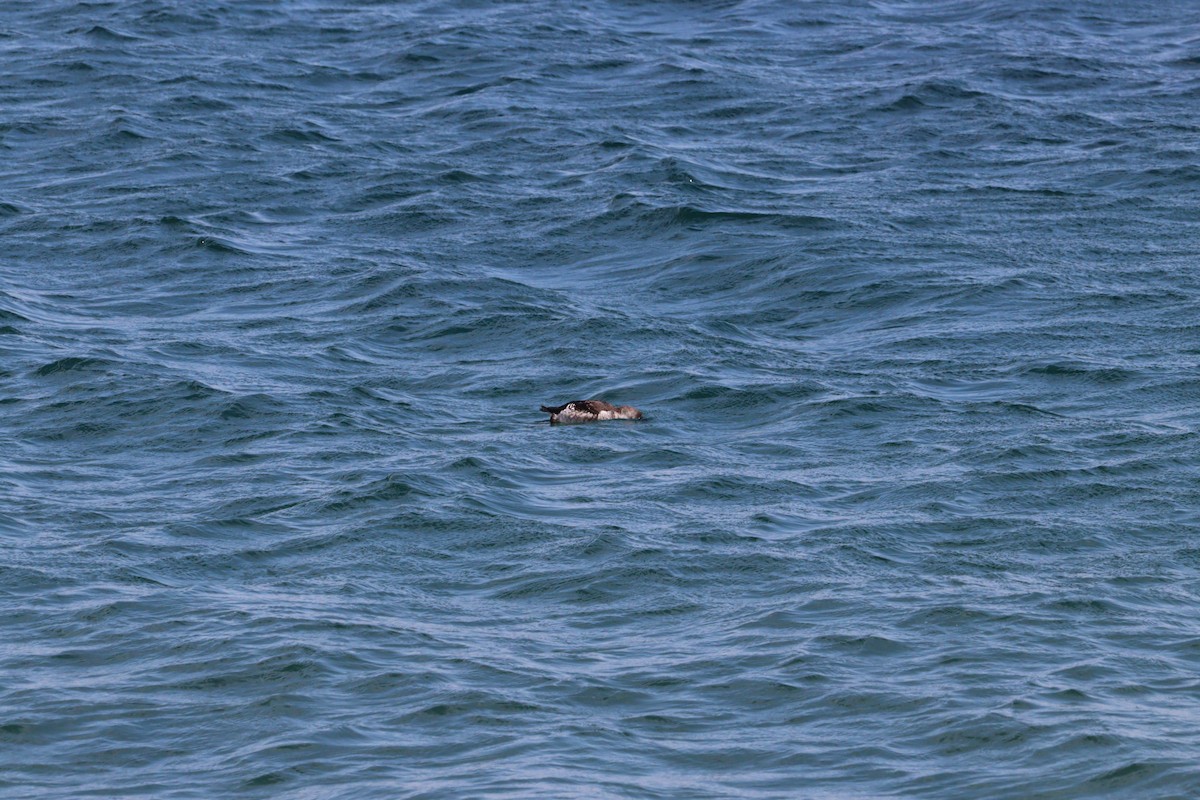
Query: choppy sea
{"x": 909, "y": 293}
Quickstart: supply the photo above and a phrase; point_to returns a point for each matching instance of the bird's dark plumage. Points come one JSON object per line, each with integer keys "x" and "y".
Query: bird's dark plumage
{"x": 590, "y": 411}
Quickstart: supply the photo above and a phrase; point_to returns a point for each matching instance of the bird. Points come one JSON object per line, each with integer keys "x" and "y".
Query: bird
{"x": 590, "y": 411}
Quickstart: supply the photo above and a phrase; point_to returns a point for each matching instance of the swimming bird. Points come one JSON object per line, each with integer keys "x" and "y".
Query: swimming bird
{"x": 590, "y": 411}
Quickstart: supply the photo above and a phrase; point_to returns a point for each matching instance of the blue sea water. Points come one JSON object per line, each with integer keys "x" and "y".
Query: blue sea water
{"x": 909, "y": 293}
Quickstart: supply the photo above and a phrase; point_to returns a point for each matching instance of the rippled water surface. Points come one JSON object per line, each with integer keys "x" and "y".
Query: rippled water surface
{"x": 909, "y": 293}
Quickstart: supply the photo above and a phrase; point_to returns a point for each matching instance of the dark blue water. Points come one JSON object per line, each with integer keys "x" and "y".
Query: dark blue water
{"x": 908, "y": 291}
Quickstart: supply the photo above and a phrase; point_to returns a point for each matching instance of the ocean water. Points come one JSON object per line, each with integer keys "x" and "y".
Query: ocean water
{"x": 909, "y": 293}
